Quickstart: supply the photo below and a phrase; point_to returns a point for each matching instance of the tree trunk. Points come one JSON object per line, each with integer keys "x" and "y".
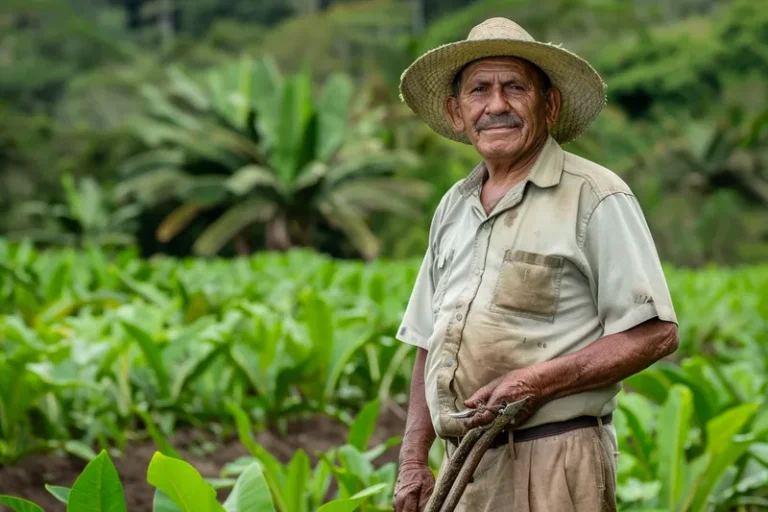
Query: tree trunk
{"x": 276, "y": 236}
{"x": 241, "y": 245}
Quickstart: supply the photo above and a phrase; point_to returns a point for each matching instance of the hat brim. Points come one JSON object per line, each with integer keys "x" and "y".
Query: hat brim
{"x": 427, "y": 83}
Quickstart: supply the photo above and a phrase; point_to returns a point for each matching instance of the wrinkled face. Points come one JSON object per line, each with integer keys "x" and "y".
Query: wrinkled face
{"x": 502, "y": 108}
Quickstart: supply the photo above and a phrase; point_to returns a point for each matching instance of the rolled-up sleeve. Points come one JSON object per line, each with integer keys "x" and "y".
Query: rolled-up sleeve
{"x": 627, "y": 278}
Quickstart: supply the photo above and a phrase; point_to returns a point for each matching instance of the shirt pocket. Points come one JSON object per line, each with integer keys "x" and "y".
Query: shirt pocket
{"x": 528, "y": 285}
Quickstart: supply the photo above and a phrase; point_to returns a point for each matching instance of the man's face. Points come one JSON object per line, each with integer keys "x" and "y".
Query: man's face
{"x": 501, "y": 107}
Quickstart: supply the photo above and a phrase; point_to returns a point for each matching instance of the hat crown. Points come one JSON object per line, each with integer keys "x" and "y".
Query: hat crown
{"x": 499, "y": 28}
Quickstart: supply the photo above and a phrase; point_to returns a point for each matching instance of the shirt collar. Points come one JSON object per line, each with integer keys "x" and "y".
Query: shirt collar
{"x": 546, "y": 170}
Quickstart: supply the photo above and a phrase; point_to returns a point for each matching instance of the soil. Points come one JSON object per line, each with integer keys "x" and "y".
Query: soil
{"x": 27, "y": 478}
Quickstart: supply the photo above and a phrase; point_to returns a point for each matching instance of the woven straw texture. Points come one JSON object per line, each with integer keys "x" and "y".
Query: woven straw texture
{"x": 427, "y": 83}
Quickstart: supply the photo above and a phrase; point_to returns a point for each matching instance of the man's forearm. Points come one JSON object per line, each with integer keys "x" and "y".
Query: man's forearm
{"x": 419, "y": 432}
{"x": 607, "y": 361}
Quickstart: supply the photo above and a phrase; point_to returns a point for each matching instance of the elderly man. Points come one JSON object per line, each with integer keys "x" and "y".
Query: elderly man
{"x": 541, "y": 280}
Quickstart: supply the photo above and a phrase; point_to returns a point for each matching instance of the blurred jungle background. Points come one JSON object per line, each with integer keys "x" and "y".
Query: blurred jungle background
{"x": 212, "y": 212}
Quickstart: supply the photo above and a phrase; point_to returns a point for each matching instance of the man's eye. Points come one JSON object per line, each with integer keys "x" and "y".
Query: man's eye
{"x": 479, "y": 88}
{"x": 516, "y": 87}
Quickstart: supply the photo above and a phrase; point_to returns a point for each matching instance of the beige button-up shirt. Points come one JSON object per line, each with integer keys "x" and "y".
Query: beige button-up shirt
{"x": 565, "y": 258}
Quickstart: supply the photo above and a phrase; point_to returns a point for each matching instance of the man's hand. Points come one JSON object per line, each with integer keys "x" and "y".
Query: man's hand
{"x": 508, "y": 388}
{"x": 414, "y": 486}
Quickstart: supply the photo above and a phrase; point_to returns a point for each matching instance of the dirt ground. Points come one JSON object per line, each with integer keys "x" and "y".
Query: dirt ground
{"x": 28, "y": 477}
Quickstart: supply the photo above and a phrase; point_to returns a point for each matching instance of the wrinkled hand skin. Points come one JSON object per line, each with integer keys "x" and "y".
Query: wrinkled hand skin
{"x": 508, "y": 388}
{"x": 414, "y": 486}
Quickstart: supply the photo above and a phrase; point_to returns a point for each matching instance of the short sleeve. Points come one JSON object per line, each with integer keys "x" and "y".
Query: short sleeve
{"x": 417, "y": 322}
{"x": 627, "y": 278}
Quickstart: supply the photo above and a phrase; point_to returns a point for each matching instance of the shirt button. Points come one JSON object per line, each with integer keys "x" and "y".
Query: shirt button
{"x": 487, "y": 225}
{"x": 459, "y": 316}
{"x": 478, "y": 271}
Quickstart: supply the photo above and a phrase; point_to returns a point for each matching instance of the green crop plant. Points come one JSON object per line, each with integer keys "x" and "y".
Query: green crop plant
{"x": 179, "y": 488}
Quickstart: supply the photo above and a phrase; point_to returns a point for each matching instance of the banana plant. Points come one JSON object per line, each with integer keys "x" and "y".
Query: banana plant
{"x": 261, "y": 148}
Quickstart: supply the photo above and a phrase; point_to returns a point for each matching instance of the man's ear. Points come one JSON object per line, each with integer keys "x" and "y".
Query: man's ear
{"x": 454, "y": 114}
{"x": 554, "y": 101}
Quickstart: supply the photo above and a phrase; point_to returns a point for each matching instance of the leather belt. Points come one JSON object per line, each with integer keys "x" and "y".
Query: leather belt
{"x": 545, "y": 430}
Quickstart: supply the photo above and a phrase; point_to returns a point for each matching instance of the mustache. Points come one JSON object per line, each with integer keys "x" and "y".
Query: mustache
{"x": 506, "y": 120}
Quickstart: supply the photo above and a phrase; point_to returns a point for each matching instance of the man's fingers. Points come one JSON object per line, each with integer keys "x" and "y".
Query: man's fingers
{"x": 480, "y": 397}
{"x": 480, "y": 418}
{"x": 411, "y": 501}
{"x": 424, "y": 496}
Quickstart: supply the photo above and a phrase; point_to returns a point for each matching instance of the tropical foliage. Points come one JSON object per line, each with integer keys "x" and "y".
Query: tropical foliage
{"x": 250, "y": 343}
{"x": 259, "y": 146}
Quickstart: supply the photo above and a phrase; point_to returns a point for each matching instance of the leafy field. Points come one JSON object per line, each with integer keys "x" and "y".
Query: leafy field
{"x": 101, "y": 350}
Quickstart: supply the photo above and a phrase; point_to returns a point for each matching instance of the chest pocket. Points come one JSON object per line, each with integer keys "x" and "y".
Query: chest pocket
{"x": 442, "y": 273}
{"x": 528, "y": 285}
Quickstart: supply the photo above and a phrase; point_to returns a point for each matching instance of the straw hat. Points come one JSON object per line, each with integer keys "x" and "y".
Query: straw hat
{"x": 426, "y": 84}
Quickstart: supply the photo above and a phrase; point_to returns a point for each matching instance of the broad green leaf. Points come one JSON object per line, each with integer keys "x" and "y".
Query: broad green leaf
{"x": 333, "y": 107}
{"x": 700, "y": 494}
{"x": 722, "y": 429}
{"x": 363, "y": 427}
{"x": 98, "y": 488}
{"x": 250, "y": 493}
{"x": 162, "y": 503}
{"x": 274, "y": 472}
{"x": 349, "y": 504}
{"x": 56, "y": 283}
{"x": 152, "y": 353}
{"x": 722, "y": 451}
{"x": 671, "y": 432}
{"x": 245, "y": 179}
{"x": 194, "y": 368}
{"x": 79, "y": 449}
{"x": 643, "y": 445}
{"x": 182, "y": 484}
{"x": 20, "y": 505}
{"x": 58, "y": 492}
{"x": 145, "y": 290}
{"x": 346, "y": 343}
{"x": 651, "y": 384}
{"x": 295, "y": 110}
{"x": 355, "y": 462}
{"x": 319, "y": 319}
{"x": 298, "y": 473}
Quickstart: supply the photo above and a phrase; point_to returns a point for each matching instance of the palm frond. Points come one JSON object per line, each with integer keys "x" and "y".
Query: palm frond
{"x": 154, "y": 186}
{"x": 369, "y": 165}
{"x": 247, "y": 178}
{"x": 351, "y": 222}
{"x": 151, "y": 159}
{"x": 401, "y": 197}
{"x": 176, "y": 221}
{"x": 231, "y": 223}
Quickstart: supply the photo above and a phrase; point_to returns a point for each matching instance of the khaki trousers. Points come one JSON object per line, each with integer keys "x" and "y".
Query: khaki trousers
{"x": 570, "y": 472}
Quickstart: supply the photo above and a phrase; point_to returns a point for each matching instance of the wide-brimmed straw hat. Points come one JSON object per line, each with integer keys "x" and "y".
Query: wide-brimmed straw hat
{"x": 428, "y": 82}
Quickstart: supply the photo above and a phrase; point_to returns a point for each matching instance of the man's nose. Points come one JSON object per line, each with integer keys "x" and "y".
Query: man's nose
{"x": 497, "y": 104}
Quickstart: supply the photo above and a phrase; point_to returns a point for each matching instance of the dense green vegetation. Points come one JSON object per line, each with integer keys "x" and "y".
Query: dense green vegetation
{"x": 145, "y": 142}
{"x": 98, "y": 345}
